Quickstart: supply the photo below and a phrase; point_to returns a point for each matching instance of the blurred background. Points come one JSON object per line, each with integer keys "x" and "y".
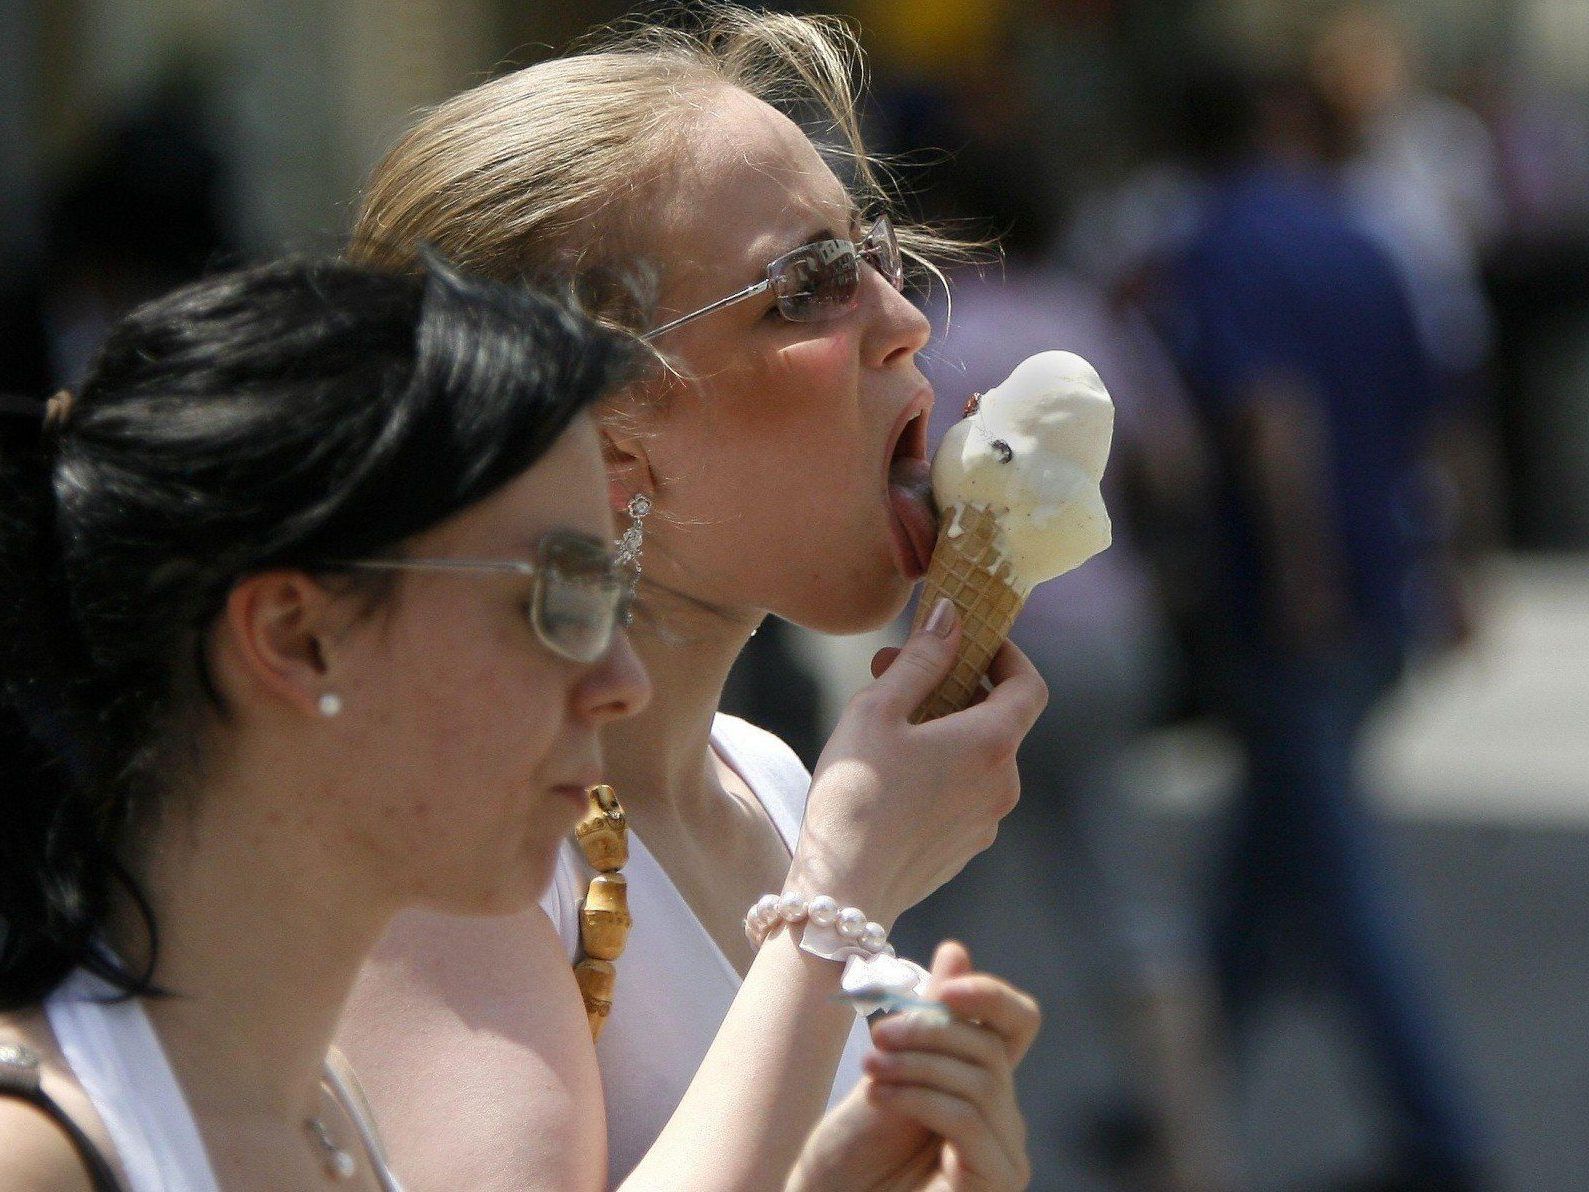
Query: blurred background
{"x": 1308, "y": 907}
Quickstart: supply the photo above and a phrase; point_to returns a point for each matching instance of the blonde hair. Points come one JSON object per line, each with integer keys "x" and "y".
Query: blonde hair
{"x": 546, "y": 172}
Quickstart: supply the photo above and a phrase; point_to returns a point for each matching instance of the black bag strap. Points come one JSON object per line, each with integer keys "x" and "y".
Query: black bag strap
{"x": 19, "y": 1080}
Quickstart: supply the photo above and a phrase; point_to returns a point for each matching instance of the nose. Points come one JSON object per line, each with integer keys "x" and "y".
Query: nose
{"x": 897, "y": 330}
{"x": 614, "y": 688}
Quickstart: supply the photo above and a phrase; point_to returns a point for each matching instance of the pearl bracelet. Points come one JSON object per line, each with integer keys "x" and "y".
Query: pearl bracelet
{"x": 839, "y": 932}
{"x": 871, "y": 967}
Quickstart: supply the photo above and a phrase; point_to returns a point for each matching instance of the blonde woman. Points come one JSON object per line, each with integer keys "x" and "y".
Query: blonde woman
{"x": 773, "y": 466}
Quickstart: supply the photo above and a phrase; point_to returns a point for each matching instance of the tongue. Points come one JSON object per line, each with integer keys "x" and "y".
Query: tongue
{"x": 910, "y": 491}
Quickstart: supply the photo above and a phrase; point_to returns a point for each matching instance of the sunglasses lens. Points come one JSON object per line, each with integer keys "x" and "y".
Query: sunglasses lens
{"x": 881, "y": 251}
{"x": 819, "y": 281}
{"x": 580, "y": 598}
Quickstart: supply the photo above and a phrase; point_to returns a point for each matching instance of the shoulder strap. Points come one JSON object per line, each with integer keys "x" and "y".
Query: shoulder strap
{"x": 19, "y": 1080}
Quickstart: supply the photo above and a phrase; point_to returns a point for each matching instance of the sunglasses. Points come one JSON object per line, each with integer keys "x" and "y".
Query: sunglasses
{"x": 816, "y": 281}
{"x": 580, "y": 597}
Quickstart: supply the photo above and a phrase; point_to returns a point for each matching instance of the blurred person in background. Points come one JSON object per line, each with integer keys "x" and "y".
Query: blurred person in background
{"x": 1308, "y": 370}
{"x": 1418, "y": 171}
{"x": 141, "y": 207}
{"x": 1075, "y": 846}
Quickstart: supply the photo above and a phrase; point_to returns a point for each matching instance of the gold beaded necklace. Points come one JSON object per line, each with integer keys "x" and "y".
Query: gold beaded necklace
{"x": 604, "y": 921}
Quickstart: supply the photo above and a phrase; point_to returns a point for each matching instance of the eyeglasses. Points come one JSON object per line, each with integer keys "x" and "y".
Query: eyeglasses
{"x": 580, "y": 598}
{"x": 816, "y": 281}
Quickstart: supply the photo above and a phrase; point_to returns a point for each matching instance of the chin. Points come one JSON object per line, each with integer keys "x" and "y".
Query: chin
{"x": 512, "y": 892}
{"x": 862, "y": 609}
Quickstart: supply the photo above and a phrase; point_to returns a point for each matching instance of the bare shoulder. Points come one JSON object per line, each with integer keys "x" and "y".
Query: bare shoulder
{"x": 35, "y": 1153}
{"x": 469, "y": 1036}
{"x": 38, "y": 1156}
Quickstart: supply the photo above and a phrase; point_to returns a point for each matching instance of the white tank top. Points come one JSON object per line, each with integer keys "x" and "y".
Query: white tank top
{"x": 117, "y": 1058}
{"x": 114, "y": 1053}
{"x": 675, "y": 985}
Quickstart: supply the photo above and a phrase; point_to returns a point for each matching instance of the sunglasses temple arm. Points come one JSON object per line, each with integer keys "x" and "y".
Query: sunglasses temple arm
{"x": 748, "y": 292}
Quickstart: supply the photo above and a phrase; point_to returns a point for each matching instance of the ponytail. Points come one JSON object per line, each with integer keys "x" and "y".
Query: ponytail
{"x": 56, "y": 863}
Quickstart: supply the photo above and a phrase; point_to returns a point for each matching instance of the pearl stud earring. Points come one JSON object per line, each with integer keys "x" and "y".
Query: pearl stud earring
{"x": 330, "y": 704}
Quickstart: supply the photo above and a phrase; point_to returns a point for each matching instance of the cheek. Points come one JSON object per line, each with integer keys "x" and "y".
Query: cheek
{"x": 473, "y": 711}
{"x": 794, "y": 410}
{"x": 818, "y": 375}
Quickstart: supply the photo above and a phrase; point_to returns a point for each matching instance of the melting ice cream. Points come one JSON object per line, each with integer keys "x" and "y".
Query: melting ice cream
{"x": 1032, "y": 451}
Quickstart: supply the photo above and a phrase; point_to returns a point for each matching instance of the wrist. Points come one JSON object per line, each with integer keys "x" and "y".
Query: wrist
{"x": 848, "y": 884}
{"x": 873, "y": 974}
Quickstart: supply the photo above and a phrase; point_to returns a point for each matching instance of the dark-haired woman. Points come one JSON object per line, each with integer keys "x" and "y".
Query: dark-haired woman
{"x": 310, "y": 616}
{"x": 269, "y": 738}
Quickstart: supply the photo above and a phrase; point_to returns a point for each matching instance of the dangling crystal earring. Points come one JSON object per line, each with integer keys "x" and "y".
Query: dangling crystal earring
{"x": 330, "y": 704}
{"x": 633, "y": 540}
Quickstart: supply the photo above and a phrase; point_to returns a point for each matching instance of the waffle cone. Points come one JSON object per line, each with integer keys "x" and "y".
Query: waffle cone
{"x": 969, "y": 569}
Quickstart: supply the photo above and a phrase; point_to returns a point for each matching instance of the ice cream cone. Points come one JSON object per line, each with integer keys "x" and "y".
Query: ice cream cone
{"x": 968, "y": 567}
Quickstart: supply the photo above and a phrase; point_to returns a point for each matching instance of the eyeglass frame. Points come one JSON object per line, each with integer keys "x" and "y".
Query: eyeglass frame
{"x": 621, "y": 616}
{"x": 895, "y": 277}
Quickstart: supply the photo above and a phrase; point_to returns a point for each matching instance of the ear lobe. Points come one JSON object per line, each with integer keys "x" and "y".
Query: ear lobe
{"x": 628, "y": 466}
{"x": 277, "y": 626}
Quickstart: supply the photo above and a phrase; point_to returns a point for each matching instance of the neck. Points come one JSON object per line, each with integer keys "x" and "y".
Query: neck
{"x": 261, "y": 938}
{"x": 660, "y": 761}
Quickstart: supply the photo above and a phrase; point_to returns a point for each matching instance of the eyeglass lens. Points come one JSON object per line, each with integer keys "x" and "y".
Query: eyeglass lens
{"x": 580, "y": 598}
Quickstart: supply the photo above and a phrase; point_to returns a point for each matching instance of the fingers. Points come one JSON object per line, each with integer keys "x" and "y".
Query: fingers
{"x": 949, "y": 959}
{"x": 985, "y": 1157}
{"x": 978, "y": 1000}
{"x": 971, "y": 1042}
{"x": 1019, "y": 693}
{"x": 922, "y": 663}
{"x": 990, "y": 1093}
{"x": 1007, "y": 1012}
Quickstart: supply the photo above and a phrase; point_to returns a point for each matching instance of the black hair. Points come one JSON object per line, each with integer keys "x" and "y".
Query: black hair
{"x": 295, "y": 414}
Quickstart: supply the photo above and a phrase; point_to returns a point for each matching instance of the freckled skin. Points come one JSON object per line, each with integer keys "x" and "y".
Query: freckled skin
{"x": 468, "y": 720}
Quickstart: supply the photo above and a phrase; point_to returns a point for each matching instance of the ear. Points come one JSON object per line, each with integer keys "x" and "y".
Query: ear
{"x": 625, "y": 454}
{"x": 277, "y": 627}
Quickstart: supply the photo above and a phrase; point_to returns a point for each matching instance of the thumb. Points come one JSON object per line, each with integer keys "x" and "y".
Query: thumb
{"x": 951, "y": 960}
{"x": 923, "y": 661}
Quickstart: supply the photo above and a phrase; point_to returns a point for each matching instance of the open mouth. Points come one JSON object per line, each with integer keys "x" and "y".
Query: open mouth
{"x": 914, "y": 520}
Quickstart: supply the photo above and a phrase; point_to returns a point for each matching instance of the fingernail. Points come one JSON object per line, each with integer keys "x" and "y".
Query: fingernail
{"x": 942, "y": 618}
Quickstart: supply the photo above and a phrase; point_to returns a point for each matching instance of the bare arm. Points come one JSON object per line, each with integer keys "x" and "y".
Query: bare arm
{"x": 896, "y": 809}
{"x": 38, "y": 1155}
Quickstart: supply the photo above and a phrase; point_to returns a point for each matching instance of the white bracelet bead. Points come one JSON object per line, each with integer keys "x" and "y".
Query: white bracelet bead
{"x": 831, "y": 931}
{"x": 822, "y": 910}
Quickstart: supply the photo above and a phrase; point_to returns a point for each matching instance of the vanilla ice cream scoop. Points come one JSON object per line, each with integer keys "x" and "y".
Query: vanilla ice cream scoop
{"x": 1032, "y": 451}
